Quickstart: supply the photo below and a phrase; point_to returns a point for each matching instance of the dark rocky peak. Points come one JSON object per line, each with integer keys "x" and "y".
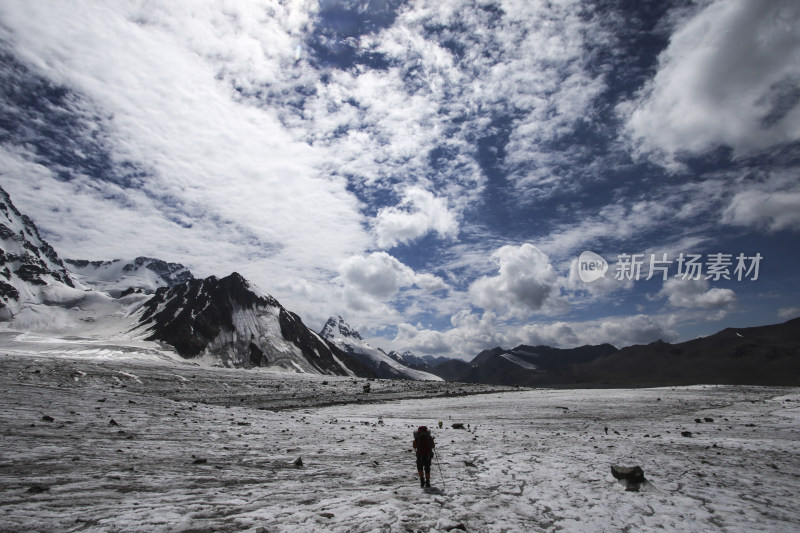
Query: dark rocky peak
{"x": 337, "y": 327}
{"x": 171, "y": 273}
{"x": 26, "y": 259}
{"x": 191, "y": 314}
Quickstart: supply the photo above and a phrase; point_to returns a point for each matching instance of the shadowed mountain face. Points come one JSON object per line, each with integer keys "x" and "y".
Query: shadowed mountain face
{"x": 231, "y": 320}
{"x": 764, "y": 355}
{"x": 524, "y": 365}
{"x": 27, "y": 262}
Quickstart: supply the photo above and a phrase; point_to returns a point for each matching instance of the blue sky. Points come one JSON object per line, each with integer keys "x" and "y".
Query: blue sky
{"x": 430, "y": 170}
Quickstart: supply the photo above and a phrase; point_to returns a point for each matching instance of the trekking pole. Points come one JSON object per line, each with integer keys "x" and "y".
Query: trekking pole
{"x": 436, "y": 454}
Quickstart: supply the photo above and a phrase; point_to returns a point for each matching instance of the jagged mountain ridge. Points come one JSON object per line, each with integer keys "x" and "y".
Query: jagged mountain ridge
{"x": 407, "y": 358}
{"x": 340, "y": 333}
{"x": 28, "y": 264}
{"x": 223, "y": 321}
{"x": 231, "y": 320}
{"x": 143, "y": 274}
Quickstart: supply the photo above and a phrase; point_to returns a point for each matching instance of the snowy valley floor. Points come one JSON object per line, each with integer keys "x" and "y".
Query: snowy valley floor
{"x": 90, "y": 444}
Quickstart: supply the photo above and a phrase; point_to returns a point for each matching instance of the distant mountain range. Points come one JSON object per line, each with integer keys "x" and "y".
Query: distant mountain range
{"x": 340, "y": 333}
{"x": 230, "y": 322}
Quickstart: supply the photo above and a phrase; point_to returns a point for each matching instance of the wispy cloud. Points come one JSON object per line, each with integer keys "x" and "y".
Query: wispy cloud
{"x": 405, "y": 162}
{"x": 728, "y": 78}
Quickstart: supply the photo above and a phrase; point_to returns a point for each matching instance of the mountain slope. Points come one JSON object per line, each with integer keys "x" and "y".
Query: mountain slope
{"x": 530, "y": 365}
{"x": 143, "y": 274}
{"x": 763, "y": 355}
{"x": 231, "y": 322}
{"x": 339, "y": 332}
{"x": 30, "y": 270}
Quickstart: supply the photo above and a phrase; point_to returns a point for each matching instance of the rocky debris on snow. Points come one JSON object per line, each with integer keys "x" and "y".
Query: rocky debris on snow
{"x": 458, "y": 425}
{"x": 298, "y": 462}
{"x": 38, "y": 489}
{"x": 631, "y": 477}
{"x": 48, "y": 418}
{"x": 687, "y": 434}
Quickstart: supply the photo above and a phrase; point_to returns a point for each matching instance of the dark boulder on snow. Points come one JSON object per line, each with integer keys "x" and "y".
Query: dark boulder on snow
{"x": 631, "y": 477}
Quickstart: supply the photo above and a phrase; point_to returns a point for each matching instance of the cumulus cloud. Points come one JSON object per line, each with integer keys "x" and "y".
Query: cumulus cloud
{"x": 696, "y": 294}
{"x": 728, "y": 77}
{"x": 419, "y": 213}
{"x": 762, "y": 209}
{"x": 471, "y": 333}
{"x": 526, "y": 283}
{"x": 380, "y": 277}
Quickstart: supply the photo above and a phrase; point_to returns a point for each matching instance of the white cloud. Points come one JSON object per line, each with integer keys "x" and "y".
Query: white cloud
{"x": 728, "y": 77}
{"x": 787, "y": 313}
{"x": 379, "y": 277}
{"x": 772, "y": 211}
{"x": 696, "y": 294}
{"x": 226, "y": 186}
{"x": 471, "y": 333}
{"x": 526, "y": 283}
{"x": 419, "y": 213}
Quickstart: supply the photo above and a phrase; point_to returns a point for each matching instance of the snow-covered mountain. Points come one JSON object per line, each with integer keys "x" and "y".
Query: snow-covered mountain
{"x": 407, "y": 358}
{"x": 340, "y": 333}
{"x": 143, "y": 274}
{"x": 30, "y": 269}
{"x": 230, "y": 321}
{"x": 222, "y": 321}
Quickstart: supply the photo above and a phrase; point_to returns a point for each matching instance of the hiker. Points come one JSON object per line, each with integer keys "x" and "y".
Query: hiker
{"x": 424, "y": 445}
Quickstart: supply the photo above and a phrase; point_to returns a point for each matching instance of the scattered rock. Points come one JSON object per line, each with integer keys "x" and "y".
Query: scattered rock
{"x": 298, "y": 462}
{"x": 631, "y": 477}
{"x": 687, "y": 434}
{"x": 458, "y": 425}
{"x": 708, "y": 419}
{"x": 457, "y": 527}
{"x": 327, "y": 515}
{"x": 38, "y": 489}
{"x": 113, "y": 422}
{"x": 698, "y": 421}
{"x": 470, "y": 464}
{"x": 48, "y": 418}
{"x": 200, "y": 461}
{"x": 367, "y": 387}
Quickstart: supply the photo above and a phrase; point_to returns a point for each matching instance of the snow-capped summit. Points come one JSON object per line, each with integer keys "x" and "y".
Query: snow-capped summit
{"x": 144, "y": 274}
{"x": 340, "y": 333}
{"x": 337, "y": 329}
{"x": 407, "y": 358}
{"x": 30, "y": 269}
{"x": 232, "y": 322}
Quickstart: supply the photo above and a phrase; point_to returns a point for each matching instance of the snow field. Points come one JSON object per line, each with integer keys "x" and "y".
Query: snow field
{"x": 531, "y": 461}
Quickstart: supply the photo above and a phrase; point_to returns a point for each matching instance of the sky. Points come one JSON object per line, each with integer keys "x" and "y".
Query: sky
{"x": 432, "y": 171}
